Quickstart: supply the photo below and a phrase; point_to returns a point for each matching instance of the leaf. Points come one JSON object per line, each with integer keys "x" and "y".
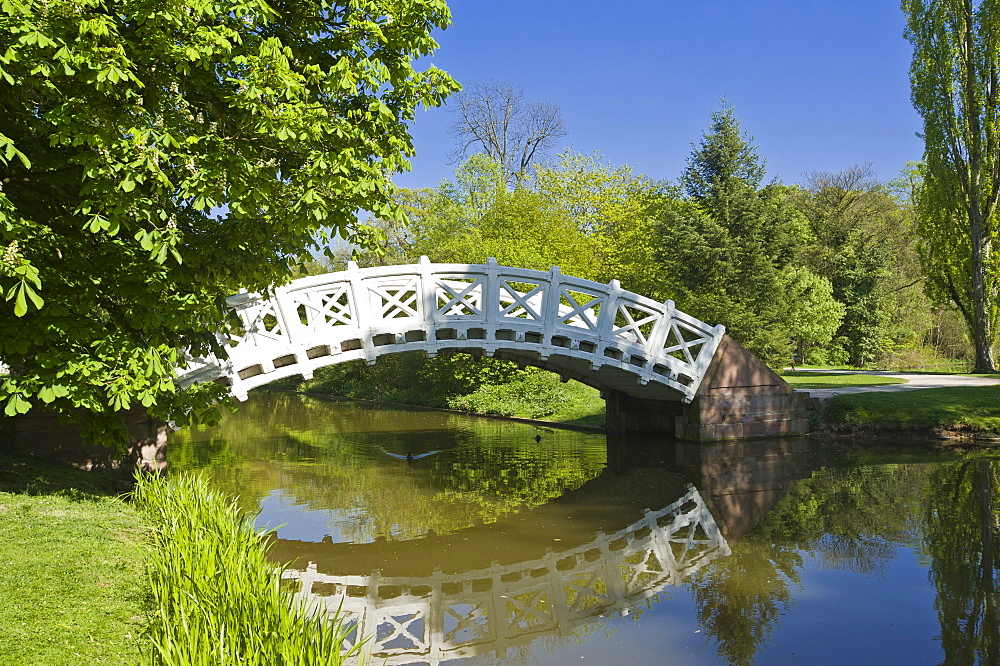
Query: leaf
{"x": 34, "y": 297}
{"x": 17, "y": 405}
{"x": 128, "y": 184}
{"x": 20, "y": 303}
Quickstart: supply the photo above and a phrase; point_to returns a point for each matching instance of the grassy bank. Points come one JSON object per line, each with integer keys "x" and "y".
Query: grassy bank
{"x": 805, "y": 379}
{"x": 72, "y": 567}
{"x": 962, "y": 409}
{"x": 179, "y": 577}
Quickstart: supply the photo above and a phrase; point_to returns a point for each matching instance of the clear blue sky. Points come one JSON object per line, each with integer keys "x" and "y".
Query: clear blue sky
{"x": 820, "y": 84}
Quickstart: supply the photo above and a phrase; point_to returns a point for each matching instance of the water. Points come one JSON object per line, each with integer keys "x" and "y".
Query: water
{"x": 493, "y": 548}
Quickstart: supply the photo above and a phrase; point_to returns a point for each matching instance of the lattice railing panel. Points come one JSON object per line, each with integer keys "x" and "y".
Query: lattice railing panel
{"x": 684, "y": 342}
{"x": 467, "y": 623}
{"x": 521, "y": 300}
{"x": 635, "y": 323}
{"x": 261, "y": 324}
{"x": 395, "y": 299}
{"x": 401, "y": 630}
{"x": 579, "y": 308}
{"x": 363, "y": 313}
{"x": 640, "y": 570}
{"x": 320, "y": 309}
{"x": 528, "y": 612}
{"x": 458, "y": 297}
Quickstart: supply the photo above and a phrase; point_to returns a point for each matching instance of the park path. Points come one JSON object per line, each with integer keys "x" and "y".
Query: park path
{"x": 914, "y": 382}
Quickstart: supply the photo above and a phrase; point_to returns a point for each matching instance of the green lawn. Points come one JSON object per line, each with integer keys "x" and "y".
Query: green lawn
{"x": 71, "y": 567}
{"x": 585, "y": 406}
{"x": 968, "y": 407}
{"x": 820, "y": 380}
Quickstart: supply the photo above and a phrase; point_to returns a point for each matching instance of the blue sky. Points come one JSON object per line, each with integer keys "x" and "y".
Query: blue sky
{"x": 820, "y": 84}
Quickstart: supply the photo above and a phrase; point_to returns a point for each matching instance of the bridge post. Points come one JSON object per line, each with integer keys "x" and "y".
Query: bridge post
{"x": 739, "y": 397}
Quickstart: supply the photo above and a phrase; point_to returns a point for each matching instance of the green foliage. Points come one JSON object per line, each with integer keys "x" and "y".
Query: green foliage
{"x": 477, "y": 217}
{"x": 218, "y": 598}
{"x": 411, "y": 378}
{"x": 156, "y": 158}
{"x": 459, "y": 381}
{"x": 956, "y": 61}
{"x": 534, "y": 394}
{"x": 863, "y": 243}
{"x": 813, "y": 315}
{"x": 961, "y": 542}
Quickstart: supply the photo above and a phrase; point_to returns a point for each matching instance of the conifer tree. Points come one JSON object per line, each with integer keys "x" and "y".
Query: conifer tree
{"x": 726, "y": 245}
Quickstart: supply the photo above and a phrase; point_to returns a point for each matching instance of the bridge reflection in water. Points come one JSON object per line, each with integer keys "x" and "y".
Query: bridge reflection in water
{"x": 447, "y": 616}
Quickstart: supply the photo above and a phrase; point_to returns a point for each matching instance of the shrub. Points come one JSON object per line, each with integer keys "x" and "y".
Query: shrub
{"x": 534, "y": 393}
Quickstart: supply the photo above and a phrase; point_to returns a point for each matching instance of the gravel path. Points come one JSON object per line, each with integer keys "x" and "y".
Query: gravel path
{"x": 914, "y": 381}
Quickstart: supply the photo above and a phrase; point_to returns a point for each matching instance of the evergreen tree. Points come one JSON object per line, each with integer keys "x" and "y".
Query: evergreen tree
{"x": 726, "y": 245}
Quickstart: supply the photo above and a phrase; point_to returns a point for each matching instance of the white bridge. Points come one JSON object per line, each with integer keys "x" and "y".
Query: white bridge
{"x": 448, "y": 616}
{"x": 596, "y": 333}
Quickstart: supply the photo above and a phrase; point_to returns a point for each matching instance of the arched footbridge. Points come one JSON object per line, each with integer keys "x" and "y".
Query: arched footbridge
{"x": 630, "y": 347}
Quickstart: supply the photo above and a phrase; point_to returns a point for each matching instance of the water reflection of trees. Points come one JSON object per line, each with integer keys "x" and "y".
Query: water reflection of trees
{"x": 848, "y": 518}
{"x": 961, "y": 538}
{"x": 329, "y": 458}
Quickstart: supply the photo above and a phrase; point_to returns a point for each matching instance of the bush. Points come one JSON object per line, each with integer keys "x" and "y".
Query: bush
{"x": 411, "y": 378}
{"x": 533, "y": 393}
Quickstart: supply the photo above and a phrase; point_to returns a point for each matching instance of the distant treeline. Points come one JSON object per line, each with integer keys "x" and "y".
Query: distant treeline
{"x": 827, "y": 272}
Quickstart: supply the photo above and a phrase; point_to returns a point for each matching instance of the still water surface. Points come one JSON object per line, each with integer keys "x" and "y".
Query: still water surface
{"x": 490, "y": 547}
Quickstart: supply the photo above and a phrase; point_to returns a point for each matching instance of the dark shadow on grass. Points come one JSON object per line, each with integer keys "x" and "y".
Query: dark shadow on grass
{"x": 30, "y": 475}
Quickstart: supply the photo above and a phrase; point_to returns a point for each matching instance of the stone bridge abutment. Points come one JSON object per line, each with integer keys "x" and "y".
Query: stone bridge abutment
{"x": 739, "y": 398}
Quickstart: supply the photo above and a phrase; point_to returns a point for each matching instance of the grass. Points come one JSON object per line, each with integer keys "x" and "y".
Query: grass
{"x": 219, "y": 601}
{"x": 961, "y": 408}
{"x": 71, "y": 567}
{"x": 89, "y": 578}
{"x": 821, "y": 380}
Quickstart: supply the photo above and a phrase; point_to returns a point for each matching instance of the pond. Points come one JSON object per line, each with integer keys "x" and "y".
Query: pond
{"x": 462, "y": 540}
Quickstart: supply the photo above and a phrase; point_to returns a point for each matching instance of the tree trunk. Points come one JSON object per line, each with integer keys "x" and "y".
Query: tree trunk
{"x": 982, "y": 333}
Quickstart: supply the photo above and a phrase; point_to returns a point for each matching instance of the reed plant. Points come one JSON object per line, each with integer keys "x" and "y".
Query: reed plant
{"x": 218, "y": 599}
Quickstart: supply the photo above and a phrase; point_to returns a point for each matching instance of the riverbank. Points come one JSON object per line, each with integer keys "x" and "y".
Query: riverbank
{"x": 865, "y": 404}
{"x": 966, "y": 416}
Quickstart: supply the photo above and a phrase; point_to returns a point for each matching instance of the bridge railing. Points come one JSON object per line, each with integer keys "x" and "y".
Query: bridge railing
{"x": 363, "y": 313}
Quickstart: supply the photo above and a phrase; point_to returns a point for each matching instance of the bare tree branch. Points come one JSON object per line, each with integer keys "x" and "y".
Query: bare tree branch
{"x": 495, "y": 118}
